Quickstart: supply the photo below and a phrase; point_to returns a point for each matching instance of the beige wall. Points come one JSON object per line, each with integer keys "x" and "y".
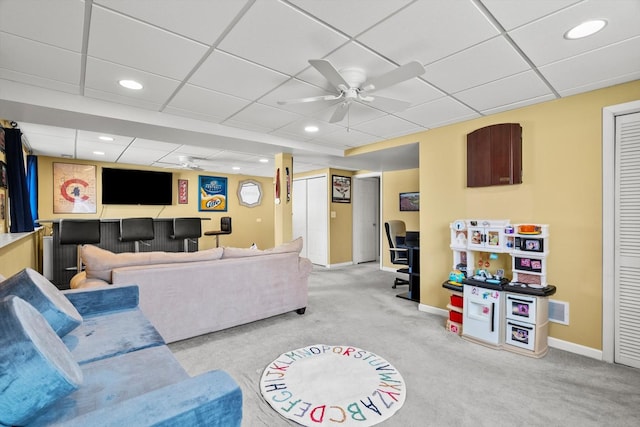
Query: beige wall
{"x": 23, "y": 253}
{"x": 250, "y": 225}
{"x": 562, "y": 187}
{"x": 394, "y": 183}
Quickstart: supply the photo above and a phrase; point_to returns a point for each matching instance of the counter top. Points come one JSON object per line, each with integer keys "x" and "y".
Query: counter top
{"x": 8, "y": 238}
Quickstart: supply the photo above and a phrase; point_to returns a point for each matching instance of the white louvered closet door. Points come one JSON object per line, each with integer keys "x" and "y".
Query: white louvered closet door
{"x": 627, "y": 241}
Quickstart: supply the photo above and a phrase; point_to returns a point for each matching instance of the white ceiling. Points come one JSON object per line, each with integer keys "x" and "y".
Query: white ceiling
{"x": 213, "y": 72}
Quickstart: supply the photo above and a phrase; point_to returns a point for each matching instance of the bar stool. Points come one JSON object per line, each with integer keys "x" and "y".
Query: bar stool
{"x": 136, "y": 230}
{"x": 225, "y": 228}
{"x": 186, "y": 229}
{"x": 79, "y": 232}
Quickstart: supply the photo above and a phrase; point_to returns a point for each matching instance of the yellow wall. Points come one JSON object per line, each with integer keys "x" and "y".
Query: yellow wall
{"x": 562, "y": 187}
{"x": 23, "y": 253}
{"x": 394, "y": 183}
{"x": 250, "y": 225}
{"x": 340, "y": 225}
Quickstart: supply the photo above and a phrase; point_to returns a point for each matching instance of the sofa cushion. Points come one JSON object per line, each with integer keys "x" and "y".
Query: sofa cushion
{"x": 36, "y": 368}
{"x": 100, "y": 262}
{"x": 38, "y": 291}
{"x": 292, "y": 246}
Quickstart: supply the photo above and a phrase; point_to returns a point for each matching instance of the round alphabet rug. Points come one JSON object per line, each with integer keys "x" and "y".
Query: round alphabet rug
{"x": 322, "y": 385}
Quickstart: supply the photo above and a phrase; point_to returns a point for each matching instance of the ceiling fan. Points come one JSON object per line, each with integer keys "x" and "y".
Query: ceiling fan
{"x": 186, "y": 162}
{"x": 352, "y": 84}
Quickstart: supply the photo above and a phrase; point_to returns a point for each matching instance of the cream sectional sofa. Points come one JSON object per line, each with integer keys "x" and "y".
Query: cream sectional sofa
{"x": 190, "y": 294}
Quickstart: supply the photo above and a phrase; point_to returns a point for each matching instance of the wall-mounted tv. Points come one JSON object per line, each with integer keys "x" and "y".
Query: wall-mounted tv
{"x": 136, "y": 187}
{"x": 410, "y": 201}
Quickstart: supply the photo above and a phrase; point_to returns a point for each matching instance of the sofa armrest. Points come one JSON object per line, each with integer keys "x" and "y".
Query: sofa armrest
{"x": 210, "y": 399}
{"x": 100, "y": 300}
{"x": 80, "y": 281}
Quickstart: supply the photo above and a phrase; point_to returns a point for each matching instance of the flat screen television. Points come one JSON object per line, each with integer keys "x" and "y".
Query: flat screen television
{"x": 136, "y": 187}
{"x": 410, "y": 201}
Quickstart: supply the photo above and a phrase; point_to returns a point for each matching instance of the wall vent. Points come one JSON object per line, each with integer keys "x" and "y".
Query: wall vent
{"x": 559, "y": 312}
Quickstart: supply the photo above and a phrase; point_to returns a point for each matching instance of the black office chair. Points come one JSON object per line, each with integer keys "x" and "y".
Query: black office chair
{"x": 136, "y": 230}
{"x": 396, "y": 232}
{"x": 225, "y": 228}
{"x": 79, "y": 232}
{"x": 186, "y": 229}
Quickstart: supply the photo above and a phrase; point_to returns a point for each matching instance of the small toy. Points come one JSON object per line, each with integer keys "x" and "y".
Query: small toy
{"x": 456, "y": 277}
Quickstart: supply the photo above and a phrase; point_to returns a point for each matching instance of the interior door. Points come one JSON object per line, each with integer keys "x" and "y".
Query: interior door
{"x": 317, "y": 218}
{"x": 627, "y": 240}
{"x": 299, "y": 213}
{"x": 366, "y": 214}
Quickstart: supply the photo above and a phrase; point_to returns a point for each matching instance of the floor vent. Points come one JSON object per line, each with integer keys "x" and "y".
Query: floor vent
{"x": 559, "y": 312}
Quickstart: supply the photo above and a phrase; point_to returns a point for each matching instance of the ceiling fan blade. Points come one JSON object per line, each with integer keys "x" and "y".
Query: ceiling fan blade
{"x": 400, "y": 74}
{"x": 311, "y": 99}
{"x": 330, "y": 73}
{"x": 388, "y": 104}
{"x": 340, "y": 112}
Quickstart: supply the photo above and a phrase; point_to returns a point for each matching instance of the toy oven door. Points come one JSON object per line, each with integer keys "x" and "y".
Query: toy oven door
{"x": 520, "y": 334}
{"x": 521, "y": 307}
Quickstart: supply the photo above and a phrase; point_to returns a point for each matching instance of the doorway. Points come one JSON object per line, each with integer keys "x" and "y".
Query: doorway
{"x": 366, "y": 218}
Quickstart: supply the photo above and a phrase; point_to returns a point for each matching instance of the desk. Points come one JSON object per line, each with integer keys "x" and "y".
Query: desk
{"x": 414, "y": 274}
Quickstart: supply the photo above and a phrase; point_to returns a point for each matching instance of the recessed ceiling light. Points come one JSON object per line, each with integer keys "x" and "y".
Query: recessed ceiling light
{"x": 311, "y": 129}
{"x": 99, "y": 153}
{"x": 236, "y": 168}
{"x": 105, "y": 138}
{"x": 130, "y": 84}
{"x": 264, "y": 160}
{"x": 585, "y": 29}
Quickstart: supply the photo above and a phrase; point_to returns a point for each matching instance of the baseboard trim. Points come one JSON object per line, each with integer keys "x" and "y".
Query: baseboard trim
{"x": 342, "y": 264}
{"x": 553, "y": 342}
{"x": 575, "y": 348}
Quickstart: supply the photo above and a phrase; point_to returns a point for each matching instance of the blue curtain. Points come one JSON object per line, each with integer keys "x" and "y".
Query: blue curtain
{"x": 32, "y": 185}
{"x": 21, "y": 220}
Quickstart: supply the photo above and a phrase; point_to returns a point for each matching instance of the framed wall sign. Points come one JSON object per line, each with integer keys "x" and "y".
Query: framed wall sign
{"x": 212, "y": 193}
{"x": 183, "y": 191}
{"x": 74, "y": 188}
{"x": 340, "y": 189}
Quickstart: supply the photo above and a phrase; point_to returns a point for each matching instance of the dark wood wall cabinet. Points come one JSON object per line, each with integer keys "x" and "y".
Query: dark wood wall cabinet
{"x": 494, "y": 155}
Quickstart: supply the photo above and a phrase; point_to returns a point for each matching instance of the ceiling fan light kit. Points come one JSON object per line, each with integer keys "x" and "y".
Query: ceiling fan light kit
{"x": 352, "y": 84}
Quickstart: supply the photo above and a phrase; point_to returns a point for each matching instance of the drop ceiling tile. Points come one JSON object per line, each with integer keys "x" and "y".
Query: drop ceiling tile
{"x": 368, "y": 13}
{"x": 191, "y": 150}
{"x": 388, "y": 127}
{"x": 121, "y": 99}
{"x": 482, "y": 63}
{"x": 358, "y": 113}
{"x": 103, "y": 76}
{"x": 32, "y": 80}
{"x": 415, "y": 91}
{"x": 347, "y": 138}
{"x": 191, "y": 114}
{"x": 425, "y": 31}
{"x": 543, "y": 42}
{"x": 506, "y": 91}
{"x": 154, "y": 145}
{"x": 512, "y": 14}
{"x": 296, "y": 130}
{"x": 141, "y": 156}
{"x": 39, "y": 59}
{"x": 431, "y": 114}
{"x": 598, "y": 68}
{"x": 154, "y": 50}
{"x": 94, "y": 137}
{"x": 55, "y": 23}
{"x": 205, "y": 101}
{"x": 86, "y": 150}
{"x": 203, "y": 21}
{"x": 519, "y": 104}
{"x": 35, "y": 129}
{"x": 265, "y": 116}
{"x": 231, "y": 75}
{"x": 293, "y": 40}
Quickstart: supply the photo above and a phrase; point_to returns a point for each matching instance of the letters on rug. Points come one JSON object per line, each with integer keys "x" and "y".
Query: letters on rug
{"x": 333, "y": 384}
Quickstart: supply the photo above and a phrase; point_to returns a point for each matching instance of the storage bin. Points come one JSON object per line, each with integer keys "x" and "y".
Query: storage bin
{"x": 454, "y": 316}
{"x": 456, "y": 301}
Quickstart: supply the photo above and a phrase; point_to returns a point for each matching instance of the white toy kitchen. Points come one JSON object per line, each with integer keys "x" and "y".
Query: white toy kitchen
{"x": 499, "y": 312}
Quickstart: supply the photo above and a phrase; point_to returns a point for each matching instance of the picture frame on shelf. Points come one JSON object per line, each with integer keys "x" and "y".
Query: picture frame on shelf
{"x": 340, "y": 189}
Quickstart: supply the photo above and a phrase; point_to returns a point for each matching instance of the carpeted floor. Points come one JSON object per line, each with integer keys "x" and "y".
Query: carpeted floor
{"x": 450, "y": 381}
